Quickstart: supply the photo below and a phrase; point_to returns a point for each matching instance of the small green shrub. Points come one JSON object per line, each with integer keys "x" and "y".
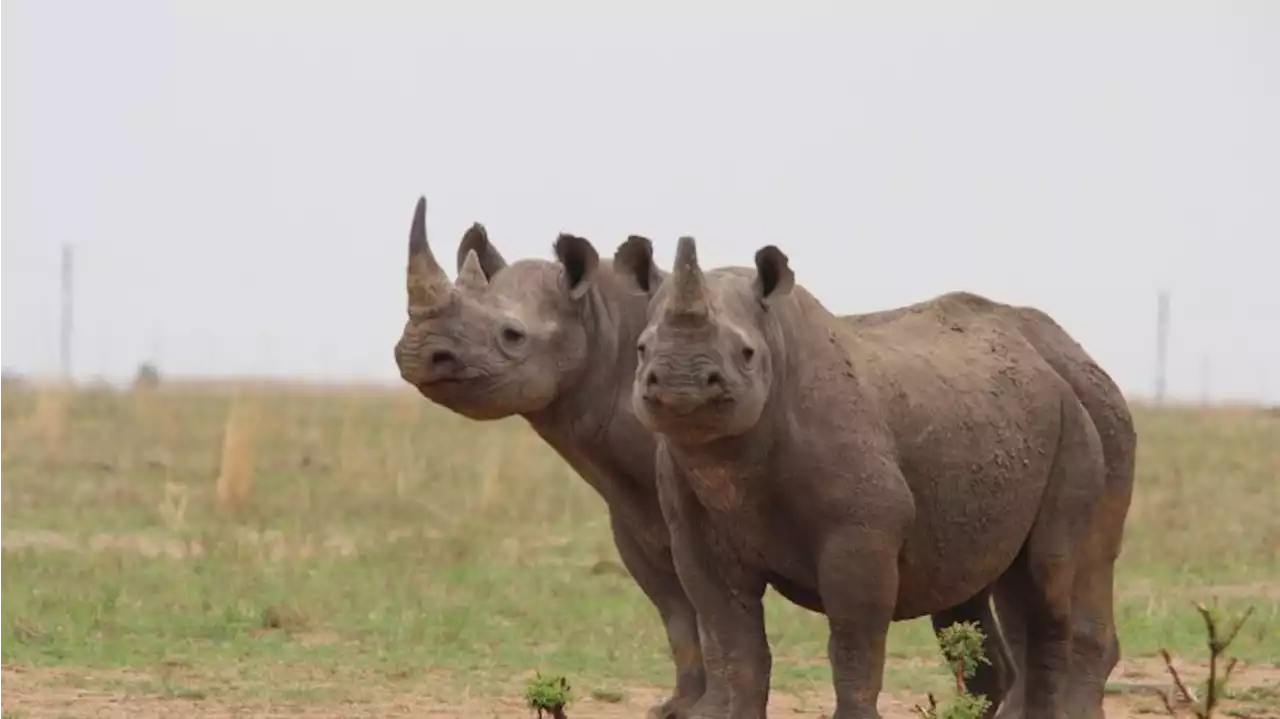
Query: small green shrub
{"x": 1201, "y": 704}
{"x": 548, "y": 696}
{"x": 963, "y": 650}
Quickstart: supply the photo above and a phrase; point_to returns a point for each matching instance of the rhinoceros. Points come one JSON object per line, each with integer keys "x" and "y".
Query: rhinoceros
{"x": 553, "y": 342}
{"x": 461, "y": 348}
{"x": 879, "y": 470}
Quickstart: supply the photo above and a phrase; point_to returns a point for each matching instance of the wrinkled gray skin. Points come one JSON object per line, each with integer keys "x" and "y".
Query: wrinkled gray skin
{"x": 1109, "y": 411}
{"x": 879, "y": 469}
{"x": 574, "y": 387}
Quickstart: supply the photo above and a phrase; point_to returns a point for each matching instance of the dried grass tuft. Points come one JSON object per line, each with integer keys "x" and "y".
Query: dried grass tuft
{"x": 235, "y": 476}
{"x": 50, "y": 419}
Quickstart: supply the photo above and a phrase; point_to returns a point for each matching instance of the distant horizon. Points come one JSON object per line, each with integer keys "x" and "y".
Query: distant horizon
{"x": 182, "y": 381}
{"x": 1262, "y": 397}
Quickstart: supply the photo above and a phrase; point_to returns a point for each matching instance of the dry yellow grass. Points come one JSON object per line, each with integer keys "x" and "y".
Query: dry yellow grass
{"x": 51, "y": 414}
{"x": 235, "y": 475}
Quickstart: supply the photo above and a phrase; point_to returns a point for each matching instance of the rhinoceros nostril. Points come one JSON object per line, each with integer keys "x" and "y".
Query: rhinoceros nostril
{"x": 715, "y": 380}
{"x": 651, "y": 380}
{"x": 443, "y": 359}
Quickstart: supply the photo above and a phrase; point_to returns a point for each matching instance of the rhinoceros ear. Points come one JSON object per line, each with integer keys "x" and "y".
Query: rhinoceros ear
{"x": 774, "y": 278}
{"x": 633, "y": 261}
{"x": 580, "y": 260}
{"x": 477, "y": 239}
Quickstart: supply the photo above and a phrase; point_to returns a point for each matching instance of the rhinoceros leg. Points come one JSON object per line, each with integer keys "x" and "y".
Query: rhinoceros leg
{"x": 990, "y": 680}
{"x": 858, "y": 580}
{"x": 660, "y": 584}
{"x": 1088, "y": 675}
{"x": 1058, "y": 548}
{"x": 1095, "y": 647}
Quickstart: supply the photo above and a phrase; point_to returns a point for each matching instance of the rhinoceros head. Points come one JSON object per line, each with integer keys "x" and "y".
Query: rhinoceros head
{"x": 704, "y": 368}
{"x": 504, "y": 339}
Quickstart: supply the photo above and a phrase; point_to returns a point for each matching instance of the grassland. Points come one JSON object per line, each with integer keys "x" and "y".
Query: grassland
{"x": 358, "y": 552}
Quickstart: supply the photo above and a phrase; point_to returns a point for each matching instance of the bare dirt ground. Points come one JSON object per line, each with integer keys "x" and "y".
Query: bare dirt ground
{"x": 57, "y": 693}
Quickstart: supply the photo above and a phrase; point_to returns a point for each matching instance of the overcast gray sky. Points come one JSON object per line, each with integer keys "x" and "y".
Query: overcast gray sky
{"x": 237, "y": 177}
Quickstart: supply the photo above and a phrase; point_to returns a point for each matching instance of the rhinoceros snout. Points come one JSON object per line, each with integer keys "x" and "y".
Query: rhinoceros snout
{"x": 427, "y": 365}
{"x": 683, "y": 392}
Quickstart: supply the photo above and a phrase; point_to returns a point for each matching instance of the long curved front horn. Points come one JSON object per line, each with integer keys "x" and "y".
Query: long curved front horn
{"x": 428, "y": 285}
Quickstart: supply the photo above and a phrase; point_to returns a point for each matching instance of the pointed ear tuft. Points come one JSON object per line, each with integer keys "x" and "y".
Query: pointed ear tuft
{"x": 580, "y": 260}
{"x": 633, "y": 261}
{"x": 477, "y": 239}
{"x": 774, "y": 278}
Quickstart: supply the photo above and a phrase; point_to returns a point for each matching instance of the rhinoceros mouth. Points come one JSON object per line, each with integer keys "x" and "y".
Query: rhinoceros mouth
{"x": 691, "y": 417}
{"x": 444, "y": 382}
{"x": 469, "y": 376}
{"x": 685, "y": 405}
{"x": 453, "y": 386}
